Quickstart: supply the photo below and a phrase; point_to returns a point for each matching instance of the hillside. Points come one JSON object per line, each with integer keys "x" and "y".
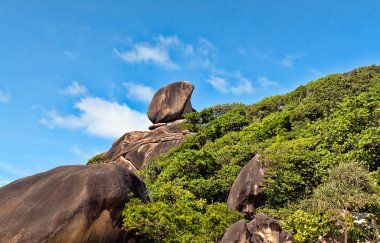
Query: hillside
{"x": 299, "y": 167}
{"x": 317, "y": 142}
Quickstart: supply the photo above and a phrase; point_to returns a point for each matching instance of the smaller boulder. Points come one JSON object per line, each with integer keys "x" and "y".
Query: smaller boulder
{"x": 245, "y": 194}
{"x": 236, "y": 233}
{"x": 171, "y": 102}
{"x": 261, "y": 229}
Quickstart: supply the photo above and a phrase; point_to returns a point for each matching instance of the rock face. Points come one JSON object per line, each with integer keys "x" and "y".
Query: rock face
{"x": 171, "y": 102}
{"x": 236, "y": 233}
{"x": 245, "y": 194}
{"x": 138, "y": 148}
{"x": 68, "y": 204}
{"x": 262, "y": 229}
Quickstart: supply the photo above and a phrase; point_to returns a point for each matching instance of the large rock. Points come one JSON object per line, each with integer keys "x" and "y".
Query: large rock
{"x": 262, "y": 229}
{"x": 139, "y": 147}
{"x": 236, "y": 233}
{"x": 68, "y": 204}
{"x": 171, "y": 102}
{"x": 245, "y": 194}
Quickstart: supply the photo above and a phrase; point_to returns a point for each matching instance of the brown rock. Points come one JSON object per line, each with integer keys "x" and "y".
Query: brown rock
{"x": 262, "y": 229}
{"x": 141, "y": 147}
{"x": 68, "y": 204}
{"x": 171, "y": 102}
{"x": 245, "y": 194}
{"x": 286, "y": 237}
{"x": 157, "y": 125}
{"x": 236, "y": 233}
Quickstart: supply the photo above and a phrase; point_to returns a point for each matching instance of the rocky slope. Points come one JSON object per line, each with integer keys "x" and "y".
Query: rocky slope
{"x": 166, "y": 111}
{"x": 84, "y": 203}
{"x": 239, "y": 174}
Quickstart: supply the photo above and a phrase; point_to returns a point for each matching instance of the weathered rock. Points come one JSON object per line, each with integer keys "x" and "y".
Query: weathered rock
{"x": 286, "y": 237}
{"x": 245, "y": 194}
{"x": 157, "y": 125}
{"x": 68, "y": 204}
{"x": 262, "y": 229}
{"x": 141, "y": 147}
{"x": 171, "y": 102}
{"x": 236, "y": 233}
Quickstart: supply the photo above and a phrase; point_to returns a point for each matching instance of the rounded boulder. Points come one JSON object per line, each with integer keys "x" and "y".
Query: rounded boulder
{"x": 171, "y": 102}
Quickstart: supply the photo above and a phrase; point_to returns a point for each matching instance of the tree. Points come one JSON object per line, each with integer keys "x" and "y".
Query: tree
{"x": 347, "y": 189}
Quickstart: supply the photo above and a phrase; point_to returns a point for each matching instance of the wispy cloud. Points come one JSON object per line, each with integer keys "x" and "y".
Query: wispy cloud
{"x": 315, "y": 72}
{"x": 71, "y": 54}
{"x": 140, "y": 92}
{"x": 264, "y": 82}
{"x": 220, "y": 84}
{"x": 99, "y": 117}
{"x": 162, "y": 49}
{"x": 200, "y": 55}
{"x": 157, "y": 53}
{"x": 13, "y": 169}
{"x": 5, "y": 97}
{"x": 233, "y": 83}
{"x": 74, "y": 89}
{"x": 74, "y": 149}
{"x": 288, "y": 60}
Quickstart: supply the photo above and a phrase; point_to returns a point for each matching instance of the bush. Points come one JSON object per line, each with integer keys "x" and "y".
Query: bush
{"x": 177, "y": 216}
{"x": 97, "y": 159}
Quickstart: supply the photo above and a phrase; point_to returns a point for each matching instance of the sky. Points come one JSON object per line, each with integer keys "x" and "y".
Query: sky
{"x": 76, "y": 75}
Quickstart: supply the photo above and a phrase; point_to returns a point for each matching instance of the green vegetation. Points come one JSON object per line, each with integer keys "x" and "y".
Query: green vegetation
{"x": 177, "y": 216}
{"x": 305, "y": 139}
{"x": 97, "y": 159}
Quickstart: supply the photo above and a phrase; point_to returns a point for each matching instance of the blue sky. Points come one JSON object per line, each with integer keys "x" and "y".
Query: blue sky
{"x": 75, "y": 75}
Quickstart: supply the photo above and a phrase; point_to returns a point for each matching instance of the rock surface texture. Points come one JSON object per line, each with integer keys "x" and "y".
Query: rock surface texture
{"x": 262, "y": 229}
{"x": 245, "y": 194}
{"x": 140, "y": 147}
{"x": 68, "y": 204}
{"x": 166, "y": 110}
{"x": 171, "y": 102}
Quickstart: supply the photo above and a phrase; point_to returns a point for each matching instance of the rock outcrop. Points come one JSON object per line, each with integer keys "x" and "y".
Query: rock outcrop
{"x": 166, "y": 110}
{"x": 68, "y": 204}
{"x": 262, "y": 229}
{"x": 245, "y": 195}
{"x": 171, "y": 102}
{"x": 138, "y": 148}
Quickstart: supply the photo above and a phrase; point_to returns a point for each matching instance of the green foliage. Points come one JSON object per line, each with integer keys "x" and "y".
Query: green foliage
{"x": 177, "y": 216}
{"x": 97, "y": 159}
{"x": 301, "y": 136}
{"x": 348, "y": 187}
{"x": 309, "y": 226}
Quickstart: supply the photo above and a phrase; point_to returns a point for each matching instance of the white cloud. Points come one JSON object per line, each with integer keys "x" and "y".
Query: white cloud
{"x": 71, "y": 55}
{"x": 139, "y": 91}
{"x": 264, "y": 82}
{"x": 78, "y": 152}
{"x": 163, "y": 49}
{"x": 5, "y": 97}
{"x": 74, "y": 89}
{"x": 157, "y": 53}
{"x": 219, "y": 84}
{"x": 288, "y": 60}
{"x": 237, "y": 86}
{"x": 99, "y": 117}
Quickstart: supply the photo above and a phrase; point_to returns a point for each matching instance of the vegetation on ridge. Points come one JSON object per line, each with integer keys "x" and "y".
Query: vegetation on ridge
{"x": 303, "y": 138}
